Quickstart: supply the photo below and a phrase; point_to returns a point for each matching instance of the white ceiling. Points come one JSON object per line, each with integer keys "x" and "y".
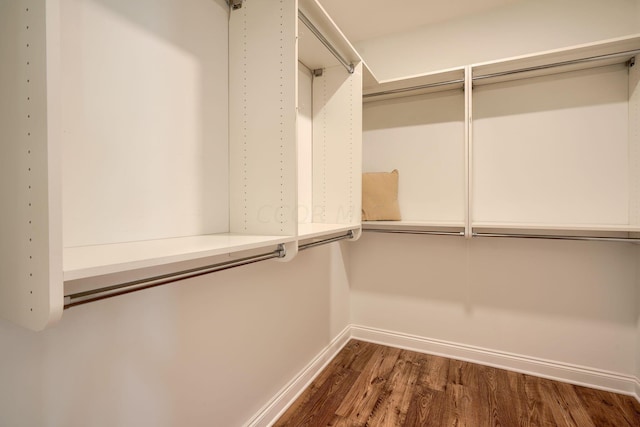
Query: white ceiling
{"x": 367, "y": 19}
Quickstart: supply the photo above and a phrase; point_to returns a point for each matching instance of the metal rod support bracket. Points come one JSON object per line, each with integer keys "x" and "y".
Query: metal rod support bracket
{"x": 349, "y": 235}
{"x": 235, "y": 4}
{"x": 346, "y": 64}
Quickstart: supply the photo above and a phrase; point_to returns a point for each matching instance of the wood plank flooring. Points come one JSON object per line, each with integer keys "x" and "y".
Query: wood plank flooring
{"x": 372, "y": 385}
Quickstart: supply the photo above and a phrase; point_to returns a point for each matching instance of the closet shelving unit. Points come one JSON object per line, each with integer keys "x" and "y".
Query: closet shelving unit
{"x": 555, "y": 149}
{"x": 552, "y": 145}
{"x": 330, "y": 85}
{"x": 417, "y": 125}
{"x": 116, "y": 174}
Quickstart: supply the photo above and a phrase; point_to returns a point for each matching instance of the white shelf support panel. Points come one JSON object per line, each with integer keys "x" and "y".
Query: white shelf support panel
{"x": 634, "y": 142}
{"x": 468, "y": 151}
{"x": 31, "y": 284}
{"x": 337, "y": 146}
{"x": 262, "y": 102}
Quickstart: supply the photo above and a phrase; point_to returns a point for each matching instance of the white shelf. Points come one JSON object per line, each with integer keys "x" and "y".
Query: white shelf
{"x": 556, "y": 228}
{"x": 88, "y": 261}
{"x": 413, "y": 85}
{"x": 568, "y": 227}
{"x": 556, "y": 61}
{"x": 311, "y": 52}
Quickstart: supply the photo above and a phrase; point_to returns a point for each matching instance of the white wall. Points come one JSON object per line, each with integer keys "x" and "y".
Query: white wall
{"x": 574, "y": 127}
{"x": 144, "y": 119}
{"x": 570, "y": 302}
{"x": 523, "y": 27}
{"x": 637, "y": 370}
{"x": 209, "y": 351}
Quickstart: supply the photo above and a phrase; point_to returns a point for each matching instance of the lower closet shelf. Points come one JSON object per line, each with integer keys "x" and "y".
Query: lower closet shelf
{"x": 89, "y": 261}
{"x": 603, "y": 232}
{"x": 559, "y": 227}
{"x": 453, "y": 228}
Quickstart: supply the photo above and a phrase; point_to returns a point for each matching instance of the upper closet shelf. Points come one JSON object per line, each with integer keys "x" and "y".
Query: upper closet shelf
{"x": 556, "y": 61}
{"x": 88, "y": 261}
{"x": 321, "y": 44}
{"x": 412, "y": 85}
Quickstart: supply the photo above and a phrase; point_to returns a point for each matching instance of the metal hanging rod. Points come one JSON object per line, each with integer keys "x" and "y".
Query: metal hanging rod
{"x": 79, "y": 298}
{"x": 506, "y": 73}
{"x": 350, "y": 68}
{"x": 413, "y": 88}
{"x": 558, "y": 237}
{"x": 630, "y": 53}
{"x": 434, "y": 233}
{"x": 349, "y": 235}
{"x": 507, "y": 235}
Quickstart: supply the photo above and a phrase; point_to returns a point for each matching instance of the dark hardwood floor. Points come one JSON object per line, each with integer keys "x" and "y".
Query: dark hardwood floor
{"x": 372, "y": 385}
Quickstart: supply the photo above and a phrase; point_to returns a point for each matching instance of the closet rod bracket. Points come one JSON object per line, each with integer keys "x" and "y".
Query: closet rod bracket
{"x": 235, "y": 4}
{"x": 281, "y": 250}
{"x": 307, "y": 22}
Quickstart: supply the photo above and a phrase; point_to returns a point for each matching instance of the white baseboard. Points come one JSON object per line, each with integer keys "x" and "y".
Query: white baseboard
{"x": 573, "y": 374}
{"x": 579, "y": 375}
{"x": 289, "y": 393}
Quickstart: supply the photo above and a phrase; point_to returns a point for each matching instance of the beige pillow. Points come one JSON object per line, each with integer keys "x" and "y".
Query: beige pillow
{"x": 380, "y": 196}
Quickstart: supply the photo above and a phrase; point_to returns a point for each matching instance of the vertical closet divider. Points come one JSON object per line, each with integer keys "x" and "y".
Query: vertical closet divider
{"x": 634, "y": 141}
{"x": 468, "y": 150}
{"x": 31, "y": 282}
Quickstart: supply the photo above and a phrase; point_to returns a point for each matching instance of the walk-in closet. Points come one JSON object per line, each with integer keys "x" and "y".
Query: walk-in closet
{"x": 214, "y": 209}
